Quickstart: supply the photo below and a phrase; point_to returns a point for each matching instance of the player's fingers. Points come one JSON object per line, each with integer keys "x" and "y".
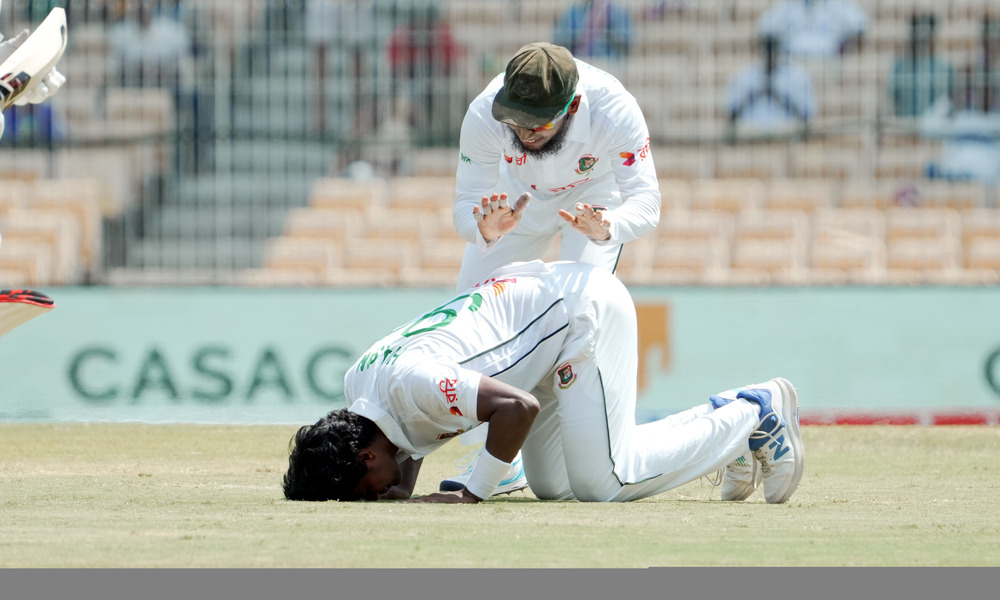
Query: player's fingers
{"x": 486, "y": 209}
{"x": 503, "y": 204}
{"x": 568, "y": 217}
{"x": 522, "y": 202}
{"x": 477, "y": 214}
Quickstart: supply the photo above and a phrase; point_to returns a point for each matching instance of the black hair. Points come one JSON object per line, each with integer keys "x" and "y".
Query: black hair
{"x": 323, "y": 457}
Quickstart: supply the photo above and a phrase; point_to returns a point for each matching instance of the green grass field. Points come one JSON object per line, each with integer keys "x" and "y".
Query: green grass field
{"x": 114, "y": 495}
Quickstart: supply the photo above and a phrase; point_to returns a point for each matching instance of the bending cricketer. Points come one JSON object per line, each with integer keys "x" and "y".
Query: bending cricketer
{"x": 570, "y": 144}
{"x": 545, "y": 353}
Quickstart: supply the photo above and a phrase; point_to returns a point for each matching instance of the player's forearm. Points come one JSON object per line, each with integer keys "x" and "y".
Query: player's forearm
{"x": 510, "y": 413}
{"x": 637, "y": 216}
{"x": 465, "y": 222}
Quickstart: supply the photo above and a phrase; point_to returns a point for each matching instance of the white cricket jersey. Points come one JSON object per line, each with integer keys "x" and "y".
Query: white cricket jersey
{"x": 420, "y": 383}
{"x": 606, "y": 149}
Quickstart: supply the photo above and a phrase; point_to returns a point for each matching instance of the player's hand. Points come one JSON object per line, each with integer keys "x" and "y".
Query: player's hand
{"x": 42, "y": 90}
{"x": 461, "y": 496}
{"x": 496, "y": 217}
{"x": 589, "y": 220}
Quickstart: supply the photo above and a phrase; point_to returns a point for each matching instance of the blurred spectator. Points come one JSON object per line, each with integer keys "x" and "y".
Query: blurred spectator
{"x": 32, "y": 125}
{"x": 424, "y": 58}
{"x": 979, "y": 89}
{"x": 970, "y": 127}
{"x": 920, "y": 77}
{"x": 815, "y": 28}
{"x": 770, "y": 95}
{"x": 149, "y": 47}
{"x": 595, "y": 29}
{"x": 345, "y": 42}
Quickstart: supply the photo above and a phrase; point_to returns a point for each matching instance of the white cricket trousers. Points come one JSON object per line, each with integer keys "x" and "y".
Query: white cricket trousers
{"x": 585, "y": 443}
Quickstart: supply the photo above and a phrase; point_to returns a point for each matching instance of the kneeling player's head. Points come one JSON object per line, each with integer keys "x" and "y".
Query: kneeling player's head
{"x": 323, "y": 461}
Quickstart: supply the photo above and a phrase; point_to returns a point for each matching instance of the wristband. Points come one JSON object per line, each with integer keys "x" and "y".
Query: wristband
{"x": 486, "y": 475}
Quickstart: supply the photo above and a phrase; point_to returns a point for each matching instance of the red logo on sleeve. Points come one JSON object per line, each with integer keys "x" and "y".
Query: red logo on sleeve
{"x": 630, "y": 157}
{"x": 447, "y": 387}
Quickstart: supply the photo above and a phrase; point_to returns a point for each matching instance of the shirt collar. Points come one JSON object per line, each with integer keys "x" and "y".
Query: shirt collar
{"x": 385, "y": 422}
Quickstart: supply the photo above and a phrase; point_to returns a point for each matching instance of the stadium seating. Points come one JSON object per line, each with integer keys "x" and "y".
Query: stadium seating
{"x": 848, "y": 203}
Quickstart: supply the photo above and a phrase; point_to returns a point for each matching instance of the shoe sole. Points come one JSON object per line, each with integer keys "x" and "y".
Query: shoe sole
{"x": 451, "y": 485}
{"x": 454, "y": 486}
{"x": 790, "y": 414}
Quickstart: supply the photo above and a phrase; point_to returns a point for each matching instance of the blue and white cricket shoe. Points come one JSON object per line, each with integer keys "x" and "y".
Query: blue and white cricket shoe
{"x": 740, "y": 478}
{"x": 777, "y": 441}
{"x": 512, "y": 482}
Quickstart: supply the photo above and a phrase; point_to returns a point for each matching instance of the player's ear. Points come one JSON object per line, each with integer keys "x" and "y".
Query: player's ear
{"x": 366, "y": 456}
{"x": 574, "y": 105}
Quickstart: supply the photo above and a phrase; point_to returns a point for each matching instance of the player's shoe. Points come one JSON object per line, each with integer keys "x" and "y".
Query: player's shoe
{"x": 512, "y": 482}
{"x": 777, "y": 441}
{"x": 740, "y": 478}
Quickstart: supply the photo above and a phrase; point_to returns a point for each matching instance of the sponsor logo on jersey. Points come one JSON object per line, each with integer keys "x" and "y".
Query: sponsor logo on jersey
{"x": 509, "y": 159}
{"x": 464, "y": 158}
{"x": 447, "y": 387}
{"x": 454, "y": 410}
{"x": 566, "y": 376}
{"x": 640, "y": 154}
{"x": 585, "y": 164}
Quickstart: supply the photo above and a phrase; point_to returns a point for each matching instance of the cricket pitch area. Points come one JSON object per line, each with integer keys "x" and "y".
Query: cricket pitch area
{"x": 203, "y": 496}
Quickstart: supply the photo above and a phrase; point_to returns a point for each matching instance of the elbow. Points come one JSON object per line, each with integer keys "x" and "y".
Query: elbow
{"x": 526, "y": 408}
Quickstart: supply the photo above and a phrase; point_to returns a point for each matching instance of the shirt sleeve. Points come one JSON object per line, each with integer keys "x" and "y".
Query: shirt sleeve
{"x": 635, "y": 174}
{"x": 478, "y": 170}
{"x": 436, "y": 399}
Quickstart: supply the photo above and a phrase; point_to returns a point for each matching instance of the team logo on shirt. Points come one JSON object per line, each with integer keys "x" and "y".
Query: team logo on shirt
{"x": 629, "y": 158}
{"x": 566, "y": 376}
{"x": 585, "y": 164}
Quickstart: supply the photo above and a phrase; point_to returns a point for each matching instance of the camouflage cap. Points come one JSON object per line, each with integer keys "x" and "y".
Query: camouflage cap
{"x": 540, "y": 80}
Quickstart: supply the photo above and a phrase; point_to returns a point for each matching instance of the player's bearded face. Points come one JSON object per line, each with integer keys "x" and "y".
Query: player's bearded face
{"x": 539, "y": 144}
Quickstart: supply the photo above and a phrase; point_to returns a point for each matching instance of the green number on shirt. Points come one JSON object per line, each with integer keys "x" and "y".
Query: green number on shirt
{"x": 449, "y": 315}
